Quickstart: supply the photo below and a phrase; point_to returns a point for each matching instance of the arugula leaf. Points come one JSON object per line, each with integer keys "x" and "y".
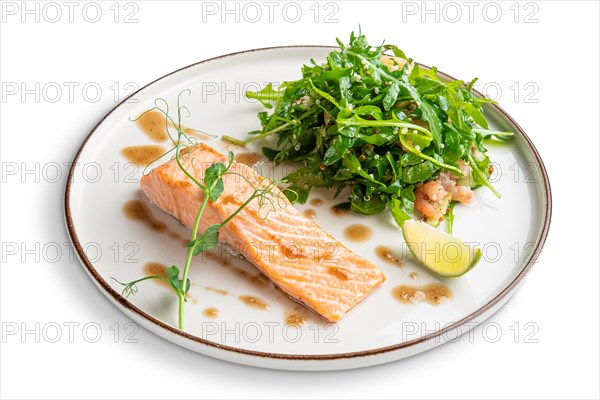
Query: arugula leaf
{"x": 297, "y": 194}
{"x": 418, "y": 173}
{"x": 271, "y": 154}
{"x": 450, "y": 216}
{"x": 397, "y": 52}
{"x": 398, "y": 212}
{"x": 455, "y": 147}
{"x": 362, "y": 204}
{"x": 351, "y": 162}
{"x": 265, "y": 96}
{"x": 390, "y": 97}
{"x": 476, "y": 114}
{"x": 335, "y": 152}
{"x": 390, "y": 158}
{"x": 303, "y": 180}
{"x": 371, "y": 111}
{"x": 402, "y": 206}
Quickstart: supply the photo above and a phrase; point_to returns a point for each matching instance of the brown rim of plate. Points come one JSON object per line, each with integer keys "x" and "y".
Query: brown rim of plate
{"x": 118, "y": 298}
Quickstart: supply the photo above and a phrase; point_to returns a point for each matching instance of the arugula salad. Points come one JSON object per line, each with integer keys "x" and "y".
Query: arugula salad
{"x": 371, "y": 120}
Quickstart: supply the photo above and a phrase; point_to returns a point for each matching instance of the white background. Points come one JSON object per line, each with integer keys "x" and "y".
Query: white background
{"x": 549, "y": 51}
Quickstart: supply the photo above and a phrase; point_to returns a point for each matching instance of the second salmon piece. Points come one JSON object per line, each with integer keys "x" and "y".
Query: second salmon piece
{"x": 294, "y": 252}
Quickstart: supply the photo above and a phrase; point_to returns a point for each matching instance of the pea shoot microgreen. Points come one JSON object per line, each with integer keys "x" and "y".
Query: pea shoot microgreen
{"x": 212, "y": 186}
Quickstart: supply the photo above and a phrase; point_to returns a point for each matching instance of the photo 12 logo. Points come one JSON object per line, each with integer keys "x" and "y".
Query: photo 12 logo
{"x": 53, "y": 12}
{"x": 469, "y": 11}
{"x": 270, "y": 11}
{"x": 489, "y": 332}
{"x": 269, "y": 332}
{"x": 68, "y": 332}
{"x": 66, "y": 92}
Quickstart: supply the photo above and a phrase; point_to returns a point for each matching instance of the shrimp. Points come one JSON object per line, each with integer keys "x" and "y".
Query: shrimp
{"x": 449, "y": 182}
{"x": 432, "y": 200}
{"x": 464, "y": 168}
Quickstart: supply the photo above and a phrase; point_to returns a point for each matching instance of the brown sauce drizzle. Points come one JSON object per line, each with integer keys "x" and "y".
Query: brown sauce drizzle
{"x": 218, "y": 291}
{"x": 211, "y": 312}
{"x": 290, "y": 252}
{"x": 433, "y": 293}
{"x": 156, "y": 269}
{"x": 258, "y": 279}
{"x": 177, "y": 236}
{"x": 295, "y": 319}
{"x": 358, "y": 233}
{"x": 310, "y": 213}
{"x": 386, "y": 254}
{"x": 339, "y": 273}
{"x": 254, "y": 302}
{"x": 136, "y": 210}
{"x": 249, "y": 158}
{"x": 316, "y": 202}
{"x": 152, "y": 123}
{"x": 142, "y": 155}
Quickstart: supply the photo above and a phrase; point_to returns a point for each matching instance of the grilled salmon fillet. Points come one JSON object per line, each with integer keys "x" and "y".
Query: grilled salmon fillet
{"x": 294, "y": 252}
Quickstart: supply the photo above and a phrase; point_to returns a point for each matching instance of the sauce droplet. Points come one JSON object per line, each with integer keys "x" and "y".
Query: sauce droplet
{"x": 316, "y": 202}
{"x": 339, "y": 273}
{"x": 137, "y": 211}
{"x": 290, "y": 251}
{"x": 433, "y": 293}
{"x": 310, "y": 213}
{"x": 254, "y": 302}
{"x": 259, "y": 279}
{"x": 177, "y": 236}
{"x": 249, "y": 158}
{"x": 156, "y": 269}
{"x": 295, "y": 319}
{"x": 218, "y": 291}
{"x": 211, "y": 312}
{"x": 413, "y": 275}
{"x": 358, "y": 233}
{"x": 153, "y": 124}
{"x": 142, "y": 155}
{"x": 386, "y": 254}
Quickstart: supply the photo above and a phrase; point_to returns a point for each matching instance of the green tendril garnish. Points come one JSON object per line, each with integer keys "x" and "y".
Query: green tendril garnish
{"x": 212, "y": 186}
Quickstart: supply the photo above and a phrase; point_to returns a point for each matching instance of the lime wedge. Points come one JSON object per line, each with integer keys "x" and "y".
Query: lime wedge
{"x": 442, "y": 253}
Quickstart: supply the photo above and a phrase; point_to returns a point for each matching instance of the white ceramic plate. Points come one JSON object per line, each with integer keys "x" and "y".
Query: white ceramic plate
{"x": 511, "y": 232}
